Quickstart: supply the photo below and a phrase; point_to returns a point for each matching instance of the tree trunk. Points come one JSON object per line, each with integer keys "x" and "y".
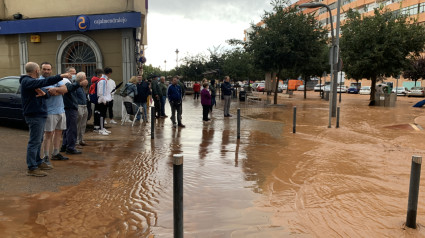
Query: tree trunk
{"x": 372, "y": 91}
{"x": 305, "y": 88}
{"x": 276, "y": 87}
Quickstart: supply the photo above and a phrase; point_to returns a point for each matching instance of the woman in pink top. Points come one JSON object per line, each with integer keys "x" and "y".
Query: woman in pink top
{"x": 205, "y": 101}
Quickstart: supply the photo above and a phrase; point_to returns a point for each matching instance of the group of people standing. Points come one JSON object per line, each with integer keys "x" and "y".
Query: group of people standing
{"x": 57, "y": 108}
{"x": 51, "y": 109}
{"x": 209, "y": 93}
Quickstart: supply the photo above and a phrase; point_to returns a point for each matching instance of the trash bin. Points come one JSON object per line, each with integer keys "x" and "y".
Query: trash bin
{"x": 327, "y": 96}
{"x": 242, "y": 96}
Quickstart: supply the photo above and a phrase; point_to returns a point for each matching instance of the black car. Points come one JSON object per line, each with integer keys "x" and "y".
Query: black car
{"x": 10, "y": 99}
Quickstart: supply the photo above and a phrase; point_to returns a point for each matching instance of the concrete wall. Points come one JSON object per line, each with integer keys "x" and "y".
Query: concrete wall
{"x": 9, "y": 55}
{"x": 109, "y": 42}
{"x": 52, "y": 8}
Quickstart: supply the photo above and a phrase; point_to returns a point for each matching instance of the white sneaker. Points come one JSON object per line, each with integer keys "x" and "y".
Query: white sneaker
{"x": 112, "y": 121}
{"x": 104, "y": 130}
{"x": 105, "y": 122}
{"x": 103, "y": 133}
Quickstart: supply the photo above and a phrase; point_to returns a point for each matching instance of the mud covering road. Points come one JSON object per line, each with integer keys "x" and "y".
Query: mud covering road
{"x": 319, "y": 182}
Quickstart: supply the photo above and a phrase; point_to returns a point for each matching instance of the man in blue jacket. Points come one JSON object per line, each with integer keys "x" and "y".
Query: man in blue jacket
{"x": 175, "y": 98}
{"x": 226, "y": 89}
{"x": 35, "y": 113}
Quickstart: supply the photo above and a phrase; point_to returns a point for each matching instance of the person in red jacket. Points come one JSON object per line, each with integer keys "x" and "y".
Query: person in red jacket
{"x": 196, "y": 90}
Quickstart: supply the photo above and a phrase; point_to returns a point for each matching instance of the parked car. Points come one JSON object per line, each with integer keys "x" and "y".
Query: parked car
{"x": 353, "y": 89}
{"x": 327, "y": 88}
{"x": 282, "y": 87}
{"x": 401, "y": 91}
{"x": 261, "y": 87}
{"x": 416, "y": 92}
{"x": 342, "y": 89}
{"x": 365, "y": 90}
{"x": 319, "y": 87}
{"x": 300, "y": 88}
{"x": 10, "y": 99}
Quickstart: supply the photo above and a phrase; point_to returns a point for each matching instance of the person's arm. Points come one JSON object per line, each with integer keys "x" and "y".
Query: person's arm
{"x": 71, "y": 87}
{"x": 28, "y": 84}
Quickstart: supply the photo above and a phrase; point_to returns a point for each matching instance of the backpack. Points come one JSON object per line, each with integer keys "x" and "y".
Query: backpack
{"x": 93, "y": 92}
{"x": 124, "y": 91}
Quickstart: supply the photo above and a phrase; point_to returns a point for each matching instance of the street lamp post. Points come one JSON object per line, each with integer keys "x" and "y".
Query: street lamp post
{"x": 165, "y": 67}
{"x": 177, "y": 58}
{"x": 334, "y": 56}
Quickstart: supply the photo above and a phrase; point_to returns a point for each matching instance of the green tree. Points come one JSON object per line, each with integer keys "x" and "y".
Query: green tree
{"x": 149, "y": 71}
{"x": 289, "y": 41}
{"x": 379, "y": 45}
{"x": 416, "y": 69}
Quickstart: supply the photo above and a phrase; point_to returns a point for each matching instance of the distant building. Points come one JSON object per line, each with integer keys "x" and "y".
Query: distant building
{"x": 79, "y": 33}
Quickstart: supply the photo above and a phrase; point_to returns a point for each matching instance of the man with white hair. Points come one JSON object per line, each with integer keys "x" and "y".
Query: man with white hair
{"x": 71, "y": 111}
{"x": 82, "y": 110}
{"x": 35, "y": 113}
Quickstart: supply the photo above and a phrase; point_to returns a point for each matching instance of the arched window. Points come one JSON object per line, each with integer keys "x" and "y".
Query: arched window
{"x": 80, "y": 56}
{"x": 80, "y": 52}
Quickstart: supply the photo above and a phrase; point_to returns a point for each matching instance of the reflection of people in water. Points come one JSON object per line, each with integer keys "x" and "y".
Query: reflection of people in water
{"x": 206, "y": 141}
{"x": 176, "y": 147}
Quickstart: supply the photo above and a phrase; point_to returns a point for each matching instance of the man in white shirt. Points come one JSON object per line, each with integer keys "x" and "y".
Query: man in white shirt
{"x": 111, "y": 88}
{"x": 104, "y": 96}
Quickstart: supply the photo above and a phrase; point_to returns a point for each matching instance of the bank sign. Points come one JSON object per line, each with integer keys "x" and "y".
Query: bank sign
{"x": 73, "y": 23}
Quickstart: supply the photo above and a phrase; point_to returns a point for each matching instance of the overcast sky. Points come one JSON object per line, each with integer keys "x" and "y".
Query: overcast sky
{"x": 194, "y": 26}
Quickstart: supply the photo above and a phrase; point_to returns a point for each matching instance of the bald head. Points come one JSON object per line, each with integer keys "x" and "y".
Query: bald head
{"x": 32, "y": 69}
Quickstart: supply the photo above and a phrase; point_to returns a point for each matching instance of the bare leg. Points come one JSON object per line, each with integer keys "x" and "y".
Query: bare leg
{"x": 57, "y": 141}
{"x": 46, "y": 142}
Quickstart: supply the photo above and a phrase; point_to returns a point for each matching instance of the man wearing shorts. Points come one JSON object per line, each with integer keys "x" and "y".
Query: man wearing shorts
{"x": 56, "y": 121}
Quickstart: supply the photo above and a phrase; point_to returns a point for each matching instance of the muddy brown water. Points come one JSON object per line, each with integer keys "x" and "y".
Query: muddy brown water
{"x": 320, "y": 182}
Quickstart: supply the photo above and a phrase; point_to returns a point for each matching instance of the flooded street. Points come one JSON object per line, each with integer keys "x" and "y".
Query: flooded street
{"x": 320, "y": 182}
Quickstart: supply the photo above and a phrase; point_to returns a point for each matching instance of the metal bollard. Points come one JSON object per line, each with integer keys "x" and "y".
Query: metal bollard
{"x": 239, "y": 123}
{"x": 337, "y": 117}
{"x": 152, "y": 123}
{"x": 412, "y": 206}
{"x": 178, "y": 195}
{"x": 102, "y": 123}
{"x": 294, "y": 121}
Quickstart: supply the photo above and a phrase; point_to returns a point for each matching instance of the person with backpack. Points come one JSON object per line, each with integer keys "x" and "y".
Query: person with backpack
{"x": 128, "y": 93}
{"x": 141, "y": 99}
{"x": 100, "y": 96}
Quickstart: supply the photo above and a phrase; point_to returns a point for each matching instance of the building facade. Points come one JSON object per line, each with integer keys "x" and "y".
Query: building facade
{"x": 79, "y": 33}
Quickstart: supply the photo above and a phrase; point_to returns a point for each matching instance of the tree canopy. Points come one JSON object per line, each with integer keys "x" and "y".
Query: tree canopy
{"x": 379, "y": 45}
{"x": 289, "y": 41}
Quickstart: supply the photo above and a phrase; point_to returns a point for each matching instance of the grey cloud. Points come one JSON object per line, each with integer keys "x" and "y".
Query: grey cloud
{"x": 231, "y": 10}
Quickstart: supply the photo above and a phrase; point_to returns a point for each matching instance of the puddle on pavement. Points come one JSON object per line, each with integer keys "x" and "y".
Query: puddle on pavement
{"x": 347, "y": 182}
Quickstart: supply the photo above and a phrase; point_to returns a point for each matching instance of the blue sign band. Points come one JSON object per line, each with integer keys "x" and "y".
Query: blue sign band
{"x": 72, "y": 23}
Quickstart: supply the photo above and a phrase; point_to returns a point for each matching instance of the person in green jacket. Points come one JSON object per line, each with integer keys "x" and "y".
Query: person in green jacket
{"x": 156, "y": 96}
{"x": 163, "y": 87}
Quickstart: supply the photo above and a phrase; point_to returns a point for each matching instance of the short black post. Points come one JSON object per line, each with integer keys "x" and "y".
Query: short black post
{"x": 295, "y": 121}
{"x": 102, "y": 123}
{"x": 178, "y": 195}
{"x": 337, "y": 117}
{"x": 152, "y": 123}
{"x": 239, "y": 123}
{"x": 412, "y": 206}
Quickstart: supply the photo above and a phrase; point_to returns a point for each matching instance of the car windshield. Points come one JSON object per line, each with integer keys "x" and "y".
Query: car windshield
{"x": 261, "y": 85}
{"x": 365, "y": 88}
{"x": 416, "y": 88}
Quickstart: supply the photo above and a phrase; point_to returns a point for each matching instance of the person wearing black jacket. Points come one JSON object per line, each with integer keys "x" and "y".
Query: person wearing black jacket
{"x": 35, "y": 113}
{"x": 226, "y": 88}
{"x": 141, "y": 99}
{"x": 71, "y": 112}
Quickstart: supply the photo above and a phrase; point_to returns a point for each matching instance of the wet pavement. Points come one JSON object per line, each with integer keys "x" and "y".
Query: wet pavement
{"x": 320, "y": 182}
